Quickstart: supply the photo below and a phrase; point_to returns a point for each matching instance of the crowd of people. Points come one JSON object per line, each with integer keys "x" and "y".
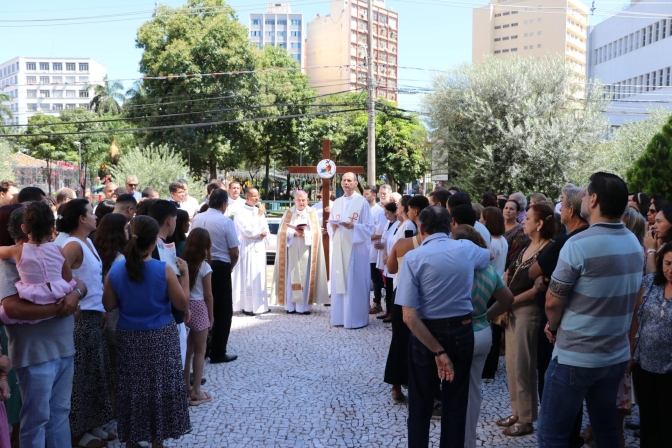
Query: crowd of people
{"x": 109, "y": 312}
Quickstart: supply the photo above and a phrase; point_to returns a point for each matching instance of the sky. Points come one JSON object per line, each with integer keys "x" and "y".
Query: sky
{"x": 433, "y": 34}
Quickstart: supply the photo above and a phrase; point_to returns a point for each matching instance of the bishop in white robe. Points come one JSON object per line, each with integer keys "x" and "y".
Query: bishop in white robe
{"x": 249, "y": 274}
{"x": 300, "y": 272}
{"x": 350, "y": 229}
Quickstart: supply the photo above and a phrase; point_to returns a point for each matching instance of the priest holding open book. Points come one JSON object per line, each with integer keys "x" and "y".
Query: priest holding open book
{"x": 300, "y": 274}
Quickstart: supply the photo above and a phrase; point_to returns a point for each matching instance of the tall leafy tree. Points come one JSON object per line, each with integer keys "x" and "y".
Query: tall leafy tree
{"x": 651, "y": 172}
{"x": 106, "y": 97}
{"x": 514, "y": 124}
{"x": 5, "y": 111}
{"x": 203, "y": 37}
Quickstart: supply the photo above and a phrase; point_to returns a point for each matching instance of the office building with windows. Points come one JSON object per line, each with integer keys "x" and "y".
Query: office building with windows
{"x": 337, "y": 47}
{"x": 631, "y": 54}
{"x": 280, "y": 28}
{"x": 47, "y": 85}
{"x": 532, "y": 28}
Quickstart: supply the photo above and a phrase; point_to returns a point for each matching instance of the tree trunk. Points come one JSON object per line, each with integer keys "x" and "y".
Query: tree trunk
{"x": 268, "y": 168}
{"x": 213, "y": 166}
{"x": 392, "y": 182}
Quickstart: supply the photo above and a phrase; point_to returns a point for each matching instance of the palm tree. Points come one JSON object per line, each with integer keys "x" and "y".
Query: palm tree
{"x": 4, "y": 110}
{"x": 106, "y": 97}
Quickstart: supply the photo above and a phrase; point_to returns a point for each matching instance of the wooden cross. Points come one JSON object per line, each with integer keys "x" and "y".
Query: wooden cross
{"x": 326, "y": 154}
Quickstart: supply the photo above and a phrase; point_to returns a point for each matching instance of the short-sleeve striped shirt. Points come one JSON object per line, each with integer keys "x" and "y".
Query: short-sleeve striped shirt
{"x": 486, "y": 282}
{"x": 603, "y": 265}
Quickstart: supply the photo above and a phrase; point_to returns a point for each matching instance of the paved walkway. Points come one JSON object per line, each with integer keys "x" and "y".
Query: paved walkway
{"x": 298, "y": 382}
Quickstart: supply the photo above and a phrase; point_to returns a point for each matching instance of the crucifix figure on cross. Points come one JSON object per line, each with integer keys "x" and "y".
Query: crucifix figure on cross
{"x": 326, "y": 154}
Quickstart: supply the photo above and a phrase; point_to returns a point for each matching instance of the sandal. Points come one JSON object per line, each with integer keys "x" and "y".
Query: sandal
{"x": 103, "y": 435}
{"x": 508, "y": 421}
{"x": 195, "y": 401}
{"x": 519, "y": 429}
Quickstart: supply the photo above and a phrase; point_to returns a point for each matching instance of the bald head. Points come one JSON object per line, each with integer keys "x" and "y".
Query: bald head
{"x": 348, "y": 182}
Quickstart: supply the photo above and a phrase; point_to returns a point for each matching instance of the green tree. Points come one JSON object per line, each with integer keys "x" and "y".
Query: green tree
{"x": 514, "y": 124}
{"x": 156, "y": 166}
{"x": 651, "y": 172}
{"x": 6, "y": 169}
{"x": 106, "y": 97}
{"x": 5, "y": 111}
{"x": 204, "y": 36}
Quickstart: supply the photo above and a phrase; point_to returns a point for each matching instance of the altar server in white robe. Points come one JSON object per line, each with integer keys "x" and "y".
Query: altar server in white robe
{"x": 350, "y": 230}
{"x": 235, "y": 201}
{"x": 300, "y": 272}
{"x": 249, "y": 275}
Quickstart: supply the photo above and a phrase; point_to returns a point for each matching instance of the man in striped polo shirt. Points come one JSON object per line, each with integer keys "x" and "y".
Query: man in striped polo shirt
{"x": 589, "y": 305}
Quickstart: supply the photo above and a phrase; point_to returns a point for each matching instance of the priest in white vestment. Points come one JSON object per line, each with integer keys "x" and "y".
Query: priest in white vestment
{"x": 350, "y": 228}
{"x": 249, "y": 274}
{"x": 300, "y": 272}
{"x": 235, "y": 202}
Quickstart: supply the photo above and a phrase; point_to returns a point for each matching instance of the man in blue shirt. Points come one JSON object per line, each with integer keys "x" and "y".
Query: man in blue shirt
{"x": 435, "y": 282}
{"x": 589, "y": 305}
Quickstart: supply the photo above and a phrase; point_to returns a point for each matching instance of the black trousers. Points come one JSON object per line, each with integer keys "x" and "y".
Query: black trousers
{"x": 654, "y": 392}
{"x": 377, "y": 279}
{"x": 492, "y": 361}
{"x": 222, "y": 308}
{"x": 389, "y": 295}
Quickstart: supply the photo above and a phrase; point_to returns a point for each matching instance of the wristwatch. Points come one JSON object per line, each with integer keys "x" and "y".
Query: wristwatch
{"x": 442, "y": 352}
{"x": 81, "y": 294}
{"x": 650, "y": 251}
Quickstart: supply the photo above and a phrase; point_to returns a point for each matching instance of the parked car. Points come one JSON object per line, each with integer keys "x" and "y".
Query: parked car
{"x": 271, "y": 249}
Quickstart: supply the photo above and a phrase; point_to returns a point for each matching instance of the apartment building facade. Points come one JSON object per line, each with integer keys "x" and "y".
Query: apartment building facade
{"x": 631, "y": 54}
{"x": 337, "y": 46}
{"x": 279, "y": 27}
{"x": 47, "y": 85}
{"x": 530, "y": 28}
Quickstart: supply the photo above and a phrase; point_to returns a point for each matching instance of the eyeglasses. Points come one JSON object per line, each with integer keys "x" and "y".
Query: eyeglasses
{"x": 132, "y": 185}
{"x": 652, "y": 210}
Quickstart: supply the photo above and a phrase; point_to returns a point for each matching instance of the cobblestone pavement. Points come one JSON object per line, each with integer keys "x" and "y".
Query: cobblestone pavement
{"x": 298, "y": 382}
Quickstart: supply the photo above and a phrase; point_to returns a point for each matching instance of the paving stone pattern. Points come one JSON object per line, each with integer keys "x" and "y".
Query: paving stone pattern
{"x": 298, "y": 382}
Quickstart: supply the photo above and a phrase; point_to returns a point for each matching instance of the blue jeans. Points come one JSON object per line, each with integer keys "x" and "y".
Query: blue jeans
{"x": 46, "y": 390}
{"x": 564, "y": 391}
{"x": 457, "y": 339}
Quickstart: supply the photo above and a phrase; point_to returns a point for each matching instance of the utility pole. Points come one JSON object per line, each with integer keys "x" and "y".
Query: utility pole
{"x": 371, "y": 104}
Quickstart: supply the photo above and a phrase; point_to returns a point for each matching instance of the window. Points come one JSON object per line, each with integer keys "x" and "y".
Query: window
{"x": 539, "y": 33}
{"x": 539, "y": 46}
{"x": 269, "y": 22}
{"x": 505, "y": 38}
{"x": 657, "y": 31}
{"x": 44, "y": 66}
{"x": 255, "y": 33}
{"x": 57, "y": 107}
{"x": 498, "y": 15}
{"x": 70, "y": 66}
{"x": 256, "y": 22}
{"x": 31, "y": 66}
{"x": 514, "y": 12}
{"x": 296, "y": 56}
{"x": 296, "y": 45}
{"x": 661, "y": 78}
{"x": 497, "y": 39}
{"x": 44, "y": 80}
{"x": 282, "y": 22}
{"x": 296, "y": 22}
{"x": 514, "y": 37}
{"x": 498, "y": 27}
{"x": 631, "y": 39}
{"x": 31, "y": 93}
{"x": 58, "y": 93}
{"x": 505, "y": 26}
{"x": 648, "y": 81}
{"x": 57, "y": 80}
{"x": 282, "y": 45}
{"x": 506, "y": 13}
{"x": 514, "y": 24}
{"x": 296, "y": 33}
{"x": 83, "y": 79}
{"x": 70, "y": 106}
{"x": 282, "y": 33}
{"x": 270, "y": 33}
{"x": 526, "y": 22}
{"x": 650, "y": 34}
{"x": 664, "y": 28}
{"x": 514, "y": 49}
{"x": 69, "y": 79}
{"x": 667, "y": 80}
{"x": 31, "y": 80}
{"x": 505, "y": 51}
{"x": 45, "y": 106}
{"x": 525, "y": 48}
{"x": 83, "y": 66}
{"x": 44, "y": 94}
{"x": 525, "y": 34}
{"x": 497, "y": 51}
{"x": 32, "y": 106}
{"x": 57, "y": 66}
{"x": 83, "y": 93}
{"x": 539, "y": 21}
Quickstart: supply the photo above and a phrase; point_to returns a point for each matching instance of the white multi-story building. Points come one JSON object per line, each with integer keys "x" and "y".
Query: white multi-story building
{"x": 631, "y": 53}
{"x": 337, "y": 49}
{"x": 47, "y": 85}
{"x": 280, "y": 28}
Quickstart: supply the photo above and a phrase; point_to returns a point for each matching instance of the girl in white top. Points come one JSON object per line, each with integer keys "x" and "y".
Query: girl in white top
{"x": 493, "y": 220}
{"x": 197, "y": 254}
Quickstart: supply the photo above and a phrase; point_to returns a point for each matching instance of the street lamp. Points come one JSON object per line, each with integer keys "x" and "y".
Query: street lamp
{"x": 79, "y": 151}
{"x": 301, "y": 153}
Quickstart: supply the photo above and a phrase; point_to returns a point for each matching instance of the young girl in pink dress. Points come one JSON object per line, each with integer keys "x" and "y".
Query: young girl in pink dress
{"x": 45, "y": 276}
